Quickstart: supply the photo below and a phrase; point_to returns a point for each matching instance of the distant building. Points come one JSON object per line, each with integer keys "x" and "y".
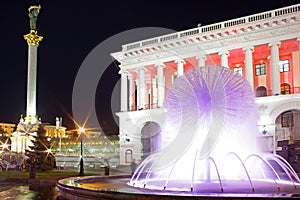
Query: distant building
{"x": 264, "y": 48}
{"x": 52, "y": 132}
{"x": 7, "y": 128}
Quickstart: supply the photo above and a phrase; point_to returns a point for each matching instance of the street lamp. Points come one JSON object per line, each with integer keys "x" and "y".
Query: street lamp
{"x": 81, "y": 130}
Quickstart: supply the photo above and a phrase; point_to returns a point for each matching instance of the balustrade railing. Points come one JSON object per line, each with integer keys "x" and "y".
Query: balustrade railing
{"x": 264, "y": 93}
{"x": 294, "y": 90}
{"x": 213, "y": 27}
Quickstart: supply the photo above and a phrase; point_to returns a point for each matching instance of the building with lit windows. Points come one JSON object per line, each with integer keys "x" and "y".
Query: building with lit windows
{"x": 263, "y": 47}
{"x": 53, "y": 132}
{"x": 7, "y": 129}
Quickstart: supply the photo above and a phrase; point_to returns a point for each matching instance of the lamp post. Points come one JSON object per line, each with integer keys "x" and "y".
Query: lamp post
{"x": 81, "y": 130}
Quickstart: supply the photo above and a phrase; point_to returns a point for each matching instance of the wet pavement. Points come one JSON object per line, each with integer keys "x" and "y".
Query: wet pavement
{"x": 23, "y": 191}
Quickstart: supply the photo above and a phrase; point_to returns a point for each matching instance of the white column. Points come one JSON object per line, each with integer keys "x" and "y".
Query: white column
{"x": 137, "y": 93}
{"x": 180, "y": 67}
{"x": 160, "y": 85}
{"x": 275, "y": 67}
{"x": 124, "y": 102}
{"x": 142, "y": 88}
{"x": 31, "y": 81}
{"x": 249, "y": 65}
{"x": 154, "y": 92}
{"x": 201, "y": 60}
{"x": 130, "y": 91}
{"x": 224, "y": 58}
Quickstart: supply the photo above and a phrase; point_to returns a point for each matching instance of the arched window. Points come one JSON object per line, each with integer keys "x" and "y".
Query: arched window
{"x": 285, "y": 88}
{"x": 261, "y": 91}
{"x": 128, "y": 156}
{"x": 150, "y": 138}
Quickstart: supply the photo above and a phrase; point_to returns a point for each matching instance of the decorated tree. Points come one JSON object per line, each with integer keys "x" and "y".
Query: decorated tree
{"x": 40, "y": 157}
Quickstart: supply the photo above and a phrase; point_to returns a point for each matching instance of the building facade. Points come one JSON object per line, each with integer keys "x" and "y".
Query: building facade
{"x": 7, "y": 129}
{"x": 264, "y": 48}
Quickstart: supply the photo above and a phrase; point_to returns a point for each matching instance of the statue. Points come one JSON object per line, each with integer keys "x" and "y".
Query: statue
{"x": 33, "y": 14}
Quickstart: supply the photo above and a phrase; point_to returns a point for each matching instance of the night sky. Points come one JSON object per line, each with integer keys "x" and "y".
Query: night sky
{"x": 72, "y": 29}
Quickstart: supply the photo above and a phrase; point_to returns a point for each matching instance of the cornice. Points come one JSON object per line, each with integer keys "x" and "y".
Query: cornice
{"x": 240, "y": 36}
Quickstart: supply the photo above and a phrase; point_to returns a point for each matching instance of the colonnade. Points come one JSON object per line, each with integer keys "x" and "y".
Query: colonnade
{"x": 129, "y": 84}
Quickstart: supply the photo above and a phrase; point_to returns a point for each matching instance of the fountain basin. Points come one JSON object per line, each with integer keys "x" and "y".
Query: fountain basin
{"x": 115, "y": 187}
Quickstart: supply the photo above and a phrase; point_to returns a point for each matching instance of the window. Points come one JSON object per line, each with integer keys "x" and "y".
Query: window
{"x": 238, "y": 70}
{"x": 128, "y": 155}
{"x": 284, "y": 66}
{"x": 261, "y": 91}
{"x": 285, "y": 88}
{"x": 287, "y": 119}
{"x": 260, "y": 69}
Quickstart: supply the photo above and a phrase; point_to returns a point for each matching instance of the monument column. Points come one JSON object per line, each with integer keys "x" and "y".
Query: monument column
{"x": 275, "y": 67}
{"x": 33, "y": 42}
{"x": 26, "y": 129}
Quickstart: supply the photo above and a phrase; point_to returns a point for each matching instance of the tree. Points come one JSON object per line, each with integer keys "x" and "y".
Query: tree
{"x": 40, "y": 155}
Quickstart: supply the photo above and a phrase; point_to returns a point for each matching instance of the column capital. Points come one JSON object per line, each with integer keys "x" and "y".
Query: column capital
{"x": 251, "y": 48}
{"x": 122, "y": 71}
{"x": 129, "y": 75}
{"x": 33, "y": 38}
{"x": 180, "y": 61}
{"x": 204, "y": 57}
{"x": 223, "y": 53}
{"x": 141, "y": 68}
{"x": 160, "y": 65}
{"x": 274, "y": 43}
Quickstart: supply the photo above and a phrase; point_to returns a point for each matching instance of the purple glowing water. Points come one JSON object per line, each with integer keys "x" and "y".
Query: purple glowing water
{"x": 209, "y": 139}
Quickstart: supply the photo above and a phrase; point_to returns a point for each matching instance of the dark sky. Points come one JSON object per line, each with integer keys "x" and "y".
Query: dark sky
{"x": 71, "y": 29}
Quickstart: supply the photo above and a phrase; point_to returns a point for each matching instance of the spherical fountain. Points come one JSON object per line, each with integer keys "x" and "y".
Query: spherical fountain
{"x": 208, "y": 145}
{"x": 211, "y": 148}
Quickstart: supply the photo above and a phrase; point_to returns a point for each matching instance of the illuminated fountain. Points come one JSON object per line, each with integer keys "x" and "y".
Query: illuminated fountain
{"x": 208, "y": 149}
{"x": 209, "y": 141}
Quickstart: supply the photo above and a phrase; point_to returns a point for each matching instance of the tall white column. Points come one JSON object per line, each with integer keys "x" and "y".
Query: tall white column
{"x": 32, "y": 39}
{"x": 31, "y": 81}
{"x": 160, "y": 85}
{"x": 224, "y": 58}
{"x": 249, "y": 65}
{"x": 130, "y": 91}
{"x": 201, "y": 60}
{"x": 180, "y": 67}
{"x": 275, "y": 67}
{"x": 142, "y": 88}
{"x": 124, "y": 102}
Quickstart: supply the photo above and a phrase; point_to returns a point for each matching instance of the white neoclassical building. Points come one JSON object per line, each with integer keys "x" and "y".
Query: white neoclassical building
{"x": 263, "y": 47}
